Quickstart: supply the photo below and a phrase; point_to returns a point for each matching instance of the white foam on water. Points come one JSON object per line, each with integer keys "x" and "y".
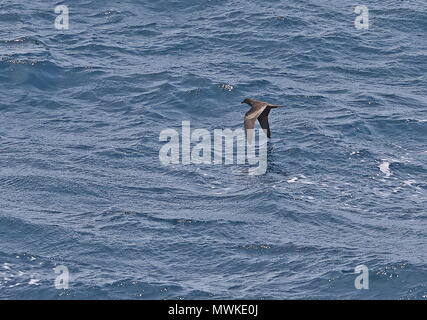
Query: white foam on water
{"x": 6, "y": 266}
{"x": 34, "y": 282}
{"x": 385, "y": 168}
{"x": 409, "y": 182}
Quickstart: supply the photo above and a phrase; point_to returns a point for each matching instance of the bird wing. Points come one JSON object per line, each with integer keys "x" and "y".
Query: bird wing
{"x": 275, "y": 106}
{"x": 263, "y": 121}
{"x": 250, "y": 119}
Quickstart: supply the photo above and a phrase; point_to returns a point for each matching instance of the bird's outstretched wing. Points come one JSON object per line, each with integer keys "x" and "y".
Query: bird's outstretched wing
{"x": 250, "y": 118}
{"x": 263, "y": 121}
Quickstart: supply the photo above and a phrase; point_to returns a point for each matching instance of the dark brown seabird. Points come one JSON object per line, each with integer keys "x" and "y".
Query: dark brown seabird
{"x": 259, "y": 110}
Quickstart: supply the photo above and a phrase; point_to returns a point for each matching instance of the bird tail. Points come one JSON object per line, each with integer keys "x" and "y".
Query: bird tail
{"x": 272, "y": 106}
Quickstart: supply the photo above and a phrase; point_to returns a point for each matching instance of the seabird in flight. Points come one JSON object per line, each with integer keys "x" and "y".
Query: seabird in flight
{"x": 259, "y": 110}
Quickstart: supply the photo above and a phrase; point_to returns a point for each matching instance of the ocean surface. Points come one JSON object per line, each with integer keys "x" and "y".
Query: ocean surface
{"x": 82, "y": 186}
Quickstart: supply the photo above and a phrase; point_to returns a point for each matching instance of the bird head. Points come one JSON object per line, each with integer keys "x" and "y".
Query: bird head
{"x": 248, "y": 101}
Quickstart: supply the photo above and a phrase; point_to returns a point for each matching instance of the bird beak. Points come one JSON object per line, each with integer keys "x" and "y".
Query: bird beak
{"x": 242, "y": 102}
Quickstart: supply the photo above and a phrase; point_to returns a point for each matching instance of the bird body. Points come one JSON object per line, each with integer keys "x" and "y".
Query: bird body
{"x": 259, "y": 110}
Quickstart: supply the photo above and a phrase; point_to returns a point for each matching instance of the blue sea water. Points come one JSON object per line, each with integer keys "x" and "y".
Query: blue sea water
{"x": 82, "y": 186}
